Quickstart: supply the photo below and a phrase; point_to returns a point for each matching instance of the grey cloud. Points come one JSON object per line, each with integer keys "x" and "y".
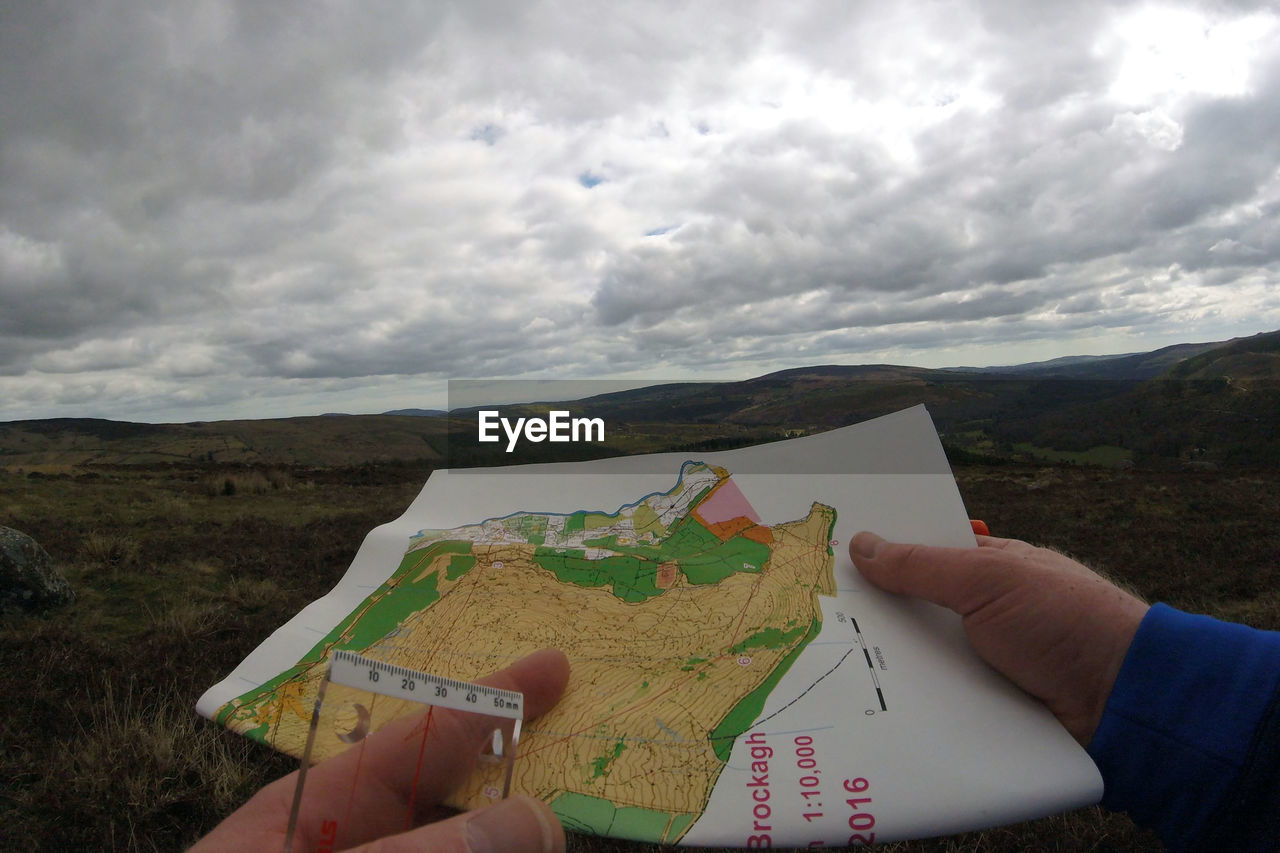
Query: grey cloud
{"x": 1058, "y": 191}
{"x": 139, "y": 133}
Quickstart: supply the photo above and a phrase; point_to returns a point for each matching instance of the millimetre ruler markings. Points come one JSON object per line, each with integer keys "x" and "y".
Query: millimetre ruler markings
{"x": 353, "y": 670}
{"x": 871, "y": 667}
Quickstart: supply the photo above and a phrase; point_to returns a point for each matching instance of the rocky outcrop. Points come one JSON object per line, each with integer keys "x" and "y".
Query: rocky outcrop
{"x": 28, "y": 580}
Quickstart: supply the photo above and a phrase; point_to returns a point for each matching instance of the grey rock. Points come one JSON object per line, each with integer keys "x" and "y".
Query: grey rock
{"x": 28, "y": 580}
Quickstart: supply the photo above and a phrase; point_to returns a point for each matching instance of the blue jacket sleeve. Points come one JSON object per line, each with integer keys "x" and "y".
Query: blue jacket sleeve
{"x": 1189, "y": 742}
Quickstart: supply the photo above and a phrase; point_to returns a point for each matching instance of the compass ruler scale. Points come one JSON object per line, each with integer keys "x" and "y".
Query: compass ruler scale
{"x": 347, "y": 707}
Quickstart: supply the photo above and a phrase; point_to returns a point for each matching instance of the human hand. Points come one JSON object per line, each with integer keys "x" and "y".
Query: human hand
{"x": 519, "y": 824}
{"x": 1050, "y": 625}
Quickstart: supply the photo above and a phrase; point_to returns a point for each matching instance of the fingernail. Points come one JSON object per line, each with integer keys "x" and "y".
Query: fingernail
{"x": 866, "y": 545}
{"x": 510, "y": 822}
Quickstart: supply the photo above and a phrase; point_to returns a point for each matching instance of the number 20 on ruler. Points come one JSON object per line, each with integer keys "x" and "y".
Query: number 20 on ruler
{"x": 357, "y": 697}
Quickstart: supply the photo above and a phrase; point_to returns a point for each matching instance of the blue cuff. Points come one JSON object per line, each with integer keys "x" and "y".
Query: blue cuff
{"x": 1183, "y": 721}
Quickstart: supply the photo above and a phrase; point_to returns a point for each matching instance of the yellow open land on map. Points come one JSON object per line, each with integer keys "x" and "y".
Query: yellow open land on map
{"x": 676, "y": 627}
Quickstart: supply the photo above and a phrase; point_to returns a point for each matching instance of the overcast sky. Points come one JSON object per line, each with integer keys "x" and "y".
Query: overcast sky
{"x": 261, "y": 209}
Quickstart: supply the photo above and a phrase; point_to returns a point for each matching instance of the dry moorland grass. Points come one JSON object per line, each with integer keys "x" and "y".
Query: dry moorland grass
{"x": 178, "y": 581}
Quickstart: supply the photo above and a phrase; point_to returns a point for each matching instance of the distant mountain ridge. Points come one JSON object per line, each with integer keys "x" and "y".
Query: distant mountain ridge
{"x": 1137, "y": 365}
{"x": 418, "y": 413}
{"x": 1206, "y": 403}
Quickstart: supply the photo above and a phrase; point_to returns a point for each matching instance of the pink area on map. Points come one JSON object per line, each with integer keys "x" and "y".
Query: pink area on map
{"x": 726, "y": 503}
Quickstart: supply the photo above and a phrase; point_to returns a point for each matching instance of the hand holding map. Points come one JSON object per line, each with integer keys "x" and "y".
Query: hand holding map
{"x": 1056, "y": 629}
{"x": 519, "y": 825}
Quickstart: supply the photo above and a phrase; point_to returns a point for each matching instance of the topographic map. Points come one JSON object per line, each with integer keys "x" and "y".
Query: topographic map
{"x": 679, "y": 613}
{"x": 734, "y": 680}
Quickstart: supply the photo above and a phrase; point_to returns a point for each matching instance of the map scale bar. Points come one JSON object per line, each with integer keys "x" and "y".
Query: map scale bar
{"x": 871, "y": 667}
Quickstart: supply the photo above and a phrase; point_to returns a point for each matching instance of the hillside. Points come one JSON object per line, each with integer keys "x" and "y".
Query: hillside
{"x": 1138, "y": 365}
{"x": 1247, "y": 359}
{"x": 1215, "y": 403}
{"x": 1184, "y": 404}
{"x": 320, "y": 441}
{"x": 1219, "y": 406}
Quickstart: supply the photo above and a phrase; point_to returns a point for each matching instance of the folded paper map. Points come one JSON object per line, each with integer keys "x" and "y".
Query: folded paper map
{"x": 734, "y": 680}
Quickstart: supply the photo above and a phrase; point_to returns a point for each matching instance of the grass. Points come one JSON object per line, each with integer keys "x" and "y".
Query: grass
{"x": 139, "y": 765}
{"x": 173, "y": 588}
{"x": 109, "y": 550}
{"x": 100, "y": 748}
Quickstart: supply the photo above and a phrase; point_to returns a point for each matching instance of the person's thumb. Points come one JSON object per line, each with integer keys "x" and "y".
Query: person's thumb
{"x": 519, "y": 824}
{"x": 956, "y": 578}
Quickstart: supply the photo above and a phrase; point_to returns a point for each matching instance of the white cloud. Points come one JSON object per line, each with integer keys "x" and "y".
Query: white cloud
{"x": 1171, "y": 51}
{"x": 1154, "y": 127}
